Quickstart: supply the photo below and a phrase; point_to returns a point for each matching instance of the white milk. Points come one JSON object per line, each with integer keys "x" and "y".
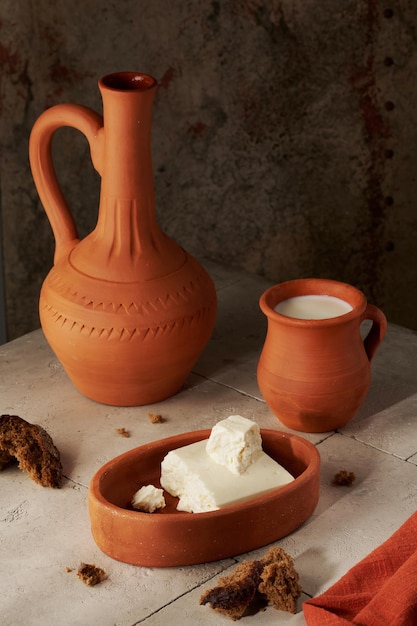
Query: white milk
{"x": 313, "y": 307}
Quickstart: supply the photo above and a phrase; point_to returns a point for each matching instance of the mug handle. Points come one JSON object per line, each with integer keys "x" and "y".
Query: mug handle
{"x": 43, "y": 171}
{"x": 377, "y": 331}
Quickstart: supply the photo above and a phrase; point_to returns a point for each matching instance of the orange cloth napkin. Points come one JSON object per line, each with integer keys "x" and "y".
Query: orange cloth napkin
{"x": 381, "y": 590}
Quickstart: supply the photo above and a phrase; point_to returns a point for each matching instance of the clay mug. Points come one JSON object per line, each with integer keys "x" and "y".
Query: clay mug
{"x": 315, "y": 373}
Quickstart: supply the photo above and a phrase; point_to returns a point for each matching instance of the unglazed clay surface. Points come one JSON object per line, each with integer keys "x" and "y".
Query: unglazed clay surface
{"x": 168, "y": 537}
{"x": 126, "y": 310}
{"x": 314, "y": 374}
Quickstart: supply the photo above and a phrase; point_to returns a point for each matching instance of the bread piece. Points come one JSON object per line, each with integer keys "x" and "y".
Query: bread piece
{"x": 279, "y": 582}
{"x": 272, "y": 579}
{"x": 236, "y": 592}
{"x": 32, "y": 447}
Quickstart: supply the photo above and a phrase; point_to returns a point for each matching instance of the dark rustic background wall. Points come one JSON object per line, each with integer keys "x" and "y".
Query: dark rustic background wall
{"x": 284, "y": 134}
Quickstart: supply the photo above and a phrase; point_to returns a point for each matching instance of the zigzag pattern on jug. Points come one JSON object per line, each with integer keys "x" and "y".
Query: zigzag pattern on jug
{"x": 126, "y": 334}
{"x": 133, "y": 308}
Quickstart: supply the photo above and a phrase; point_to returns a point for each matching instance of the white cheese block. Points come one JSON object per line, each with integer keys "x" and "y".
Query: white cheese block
{"x": 148, "y": 498}
{"x": 190, "y": 474}
{"x": 235, "y": 443}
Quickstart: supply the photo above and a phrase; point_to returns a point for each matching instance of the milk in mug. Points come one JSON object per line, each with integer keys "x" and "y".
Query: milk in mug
{"x": 313, "y": 307}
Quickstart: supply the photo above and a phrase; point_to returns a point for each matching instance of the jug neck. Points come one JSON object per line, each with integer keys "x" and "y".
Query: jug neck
{"x": 127, "y": 161}
{"x": 127, "y": 243}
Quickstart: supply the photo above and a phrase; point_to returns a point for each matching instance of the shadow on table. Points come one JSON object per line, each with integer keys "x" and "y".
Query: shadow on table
{"x": 239, "y": 333}
{"x": 393, "y": 371}
{"x": 310, "y": 562}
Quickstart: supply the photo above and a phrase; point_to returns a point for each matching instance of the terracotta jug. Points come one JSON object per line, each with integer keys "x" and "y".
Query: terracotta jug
{"x": 315, "y": 373}
{"x": 126, "y": 310}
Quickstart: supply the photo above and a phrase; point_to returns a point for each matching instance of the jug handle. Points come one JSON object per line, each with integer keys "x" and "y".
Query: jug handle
{"x": 377, "y": 330}
{"x": 43, "y": 171}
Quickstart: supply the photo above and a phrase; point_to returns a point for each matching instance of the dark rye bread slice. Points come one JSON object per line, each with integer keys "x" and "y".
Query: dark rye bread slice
{"x": 32, "y": 447}
{"x": 236, "y": 592}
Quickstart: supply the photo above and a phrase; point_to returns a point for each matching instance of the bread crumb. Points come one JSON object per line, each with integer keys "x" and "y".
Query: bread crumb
{"x": 155, "y": 418}
{"x": 344, "y": 478}
{"x": 69, "y": 569}
{"x": 123, "y": 432}
{"x": 90, "y": 574}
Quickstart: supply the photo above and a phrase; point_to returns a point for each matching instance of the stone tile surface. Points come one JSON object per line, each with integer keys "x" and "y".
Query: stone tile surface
{"x": 43, "y": 532}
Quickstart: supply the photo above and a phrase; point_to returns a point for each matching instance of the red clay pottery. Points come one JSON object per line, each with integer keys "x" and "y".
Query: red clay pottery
{"x": 315, "y": 373}
{"x": 126, "y": 310}
{"x": 168, "y": 537}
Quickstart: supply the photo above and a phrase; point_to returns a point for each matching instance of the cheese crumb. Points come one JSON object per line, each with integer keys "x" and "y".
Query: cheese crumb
{"x": 148, "y": 498}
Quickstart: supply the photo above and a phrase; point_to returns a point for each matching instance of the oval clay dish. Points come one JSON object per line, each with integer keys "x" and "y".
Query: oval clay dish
{"x": 168, "y": 537}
